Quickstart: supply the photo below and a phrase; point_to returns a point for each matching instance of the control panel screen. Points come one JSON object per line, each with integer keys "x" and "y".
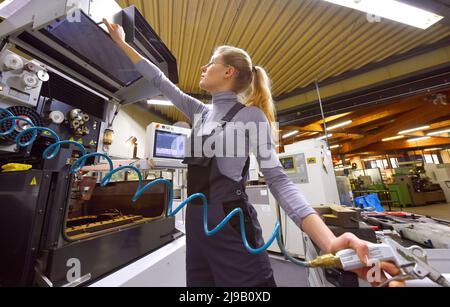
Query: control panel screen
{"x": 169, "y": 145}
{"x": 288, "y": 163}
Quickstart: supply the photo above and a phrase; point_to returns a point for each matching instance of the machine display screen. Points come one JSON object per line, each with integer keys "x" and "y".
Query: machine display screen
{"x": 169, "y": 145}
{"x": 288, "y": 163}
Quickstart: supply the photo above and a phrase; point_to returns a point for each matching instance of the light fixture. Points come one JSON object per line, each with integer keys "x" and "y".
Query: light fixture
{"x": 325, "y": 137}
{"x": 132, "y": 143}
{"x": 393, "y": 138}
{"x": 108, "y": 137}
{"x": 419, "y": 139}
{"x": 335, "y": 146}
{"x": 159, "y": 102}
{"x": 433, "y": 149}
{"x": 393, "y": 10}
{"x": 349, "y": 122}
{"x": 290, "y": 134}
{"x": 439, "y": 132}
{"x": 415, "y": 129}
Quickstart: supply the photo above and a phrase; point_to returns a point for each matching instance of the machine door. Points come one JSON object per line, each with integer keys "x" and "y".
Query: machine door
{"x": 23, "y": 199}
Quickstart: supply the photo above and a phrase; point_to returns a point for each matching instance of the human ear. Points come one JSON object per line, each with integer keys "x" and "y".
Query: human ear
{"x": 230, "y": 72}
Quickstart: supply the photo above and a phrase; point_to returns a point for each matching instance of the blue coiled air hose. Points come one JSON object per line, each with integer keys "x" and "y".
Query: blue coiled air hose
{"x": 53, "y": 150}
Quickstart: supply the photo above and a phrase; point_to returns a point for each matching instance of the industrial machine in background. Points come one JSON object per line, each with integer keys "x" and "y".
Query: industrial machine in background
{"x": 440, "y": 174}
{"x": 268, "y": 212}
{"x": 345, "y": 191}
{"x": 59, "y": 228}
{"x": 309, "y": 165}
{"x": 415, "y": 188}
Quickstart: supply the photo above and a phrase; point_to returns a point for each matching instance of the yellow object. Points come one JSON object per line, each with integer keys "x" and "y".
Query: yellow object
{"x": 312, "y": 160}
{"x": 326, "y": 261}
{"x": 16, "y": 167}
{"x": 33, "y": 182}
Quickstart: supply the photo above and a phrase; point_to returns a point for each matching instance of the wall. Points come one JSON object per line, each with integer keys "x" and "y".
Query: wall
{"x": 132, "y": 121}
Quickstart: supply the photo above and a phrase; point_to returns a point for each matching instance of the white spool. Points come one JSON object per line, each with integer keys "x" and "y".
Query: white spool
{"x": 43, "y": 75}
{"x": 30, "y": 80}
{"x": 57, "y": 117}
{"x": 13, "y": 62}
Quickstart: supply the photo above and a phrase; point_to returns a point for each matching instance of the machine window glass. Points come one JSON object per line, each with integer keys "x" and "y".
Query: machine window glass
{"x": 94, "y": 210}
{"x": 91, "y": 43}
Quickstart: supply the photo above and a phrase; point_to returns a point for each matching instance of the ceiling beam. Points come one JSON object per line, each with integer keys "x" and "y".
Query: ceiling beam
{"x": 309, "y": 128}
{"x": 411, "y": 119}
{"x": 402, "y": 145}
{"x": 377, "y": 113}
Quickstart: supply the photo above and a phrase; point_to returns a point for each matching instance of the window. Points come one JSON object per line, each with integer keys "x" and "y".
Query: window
{"x": 436, "y": 159}
{"x": 394, "y": 162}
{"x": 380, "y": 164}
{"x": 428, "y": 159}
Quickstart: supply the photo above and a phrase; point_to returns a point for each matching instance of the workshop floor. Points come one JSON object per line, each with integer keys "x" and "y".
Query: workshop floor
{"x": 288, "y": 274}
{"x": 439, "y": 211}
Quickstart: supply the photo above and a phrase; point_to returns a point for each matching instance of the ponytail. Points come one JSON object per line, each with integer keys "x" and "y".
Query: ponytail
{"x": 260, "y": 94}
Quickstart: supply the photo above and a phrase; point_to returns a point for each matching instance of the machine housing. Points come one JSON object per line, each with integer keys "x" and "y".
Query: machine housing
{"x": 59, "y": 228}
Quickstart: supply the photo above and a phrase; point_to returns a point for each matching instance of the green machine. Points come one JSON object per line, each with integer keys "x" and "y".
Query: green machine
{"x": 415, "y": 190}
{"x": 400, "y": 194}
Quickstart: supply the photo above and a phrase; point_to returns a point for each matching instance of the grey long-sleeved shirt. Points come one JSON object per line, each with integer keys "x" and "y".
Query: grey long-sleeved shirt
{"x": 260, "y": 142}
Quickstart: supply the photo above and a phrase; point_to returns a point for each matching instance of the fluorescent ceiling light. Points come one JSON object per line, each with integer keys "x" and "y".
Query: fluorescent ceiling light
{"x": 324, "y": 137}
{"x": 439, "y": 132}
{"x": 432, "y": 149}
{"x": 393, "y": 138}
{"x": 335, "y": 146}
{"x": 292, "y": 133}
{"x": 159, "y": 102}
{"x": 414, "y": 129}
{"x": 349, "y": 122}
{"x": 419, "y": 139}
{"x": 393, "y": 10}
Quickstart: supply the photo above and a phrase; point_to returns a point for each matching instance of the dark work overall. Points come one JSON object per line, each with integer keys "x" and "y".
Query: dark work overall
{"x": 222, "y": 260}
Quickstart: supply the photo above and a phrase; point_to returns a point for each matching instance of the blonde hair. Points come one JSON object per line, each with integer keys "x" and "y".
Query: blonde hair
{"x": 250, "y": 81}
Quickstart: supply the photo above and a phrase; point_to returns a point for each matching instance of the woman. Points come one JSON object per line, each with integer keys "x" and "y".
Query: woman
{"x": 222, "y": 260}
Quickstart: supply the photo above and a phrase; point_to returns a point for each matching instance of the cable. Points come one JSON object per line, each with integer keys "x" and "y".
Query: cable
{"x": 53, "y": 150}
